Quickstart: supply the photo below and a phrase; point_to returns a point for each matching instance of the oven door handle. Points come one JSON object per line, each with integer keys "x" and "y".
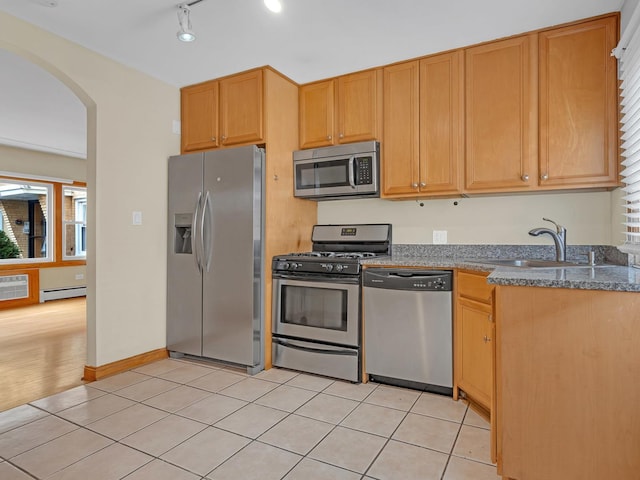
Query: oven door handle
{"x": 346, "y": 280}
{"x": 291, "y": 344}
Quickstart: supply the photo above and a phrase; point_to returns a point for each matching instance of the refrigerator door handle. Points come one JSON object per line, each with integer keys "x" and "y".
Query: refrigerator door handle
{"x": 208, "y": 245}
{"x": 194, "y": 235}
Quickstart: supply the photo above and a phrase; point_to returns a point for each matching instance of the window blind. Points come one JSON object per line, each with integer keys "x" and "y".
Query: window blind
{"x": 628, "y": 53}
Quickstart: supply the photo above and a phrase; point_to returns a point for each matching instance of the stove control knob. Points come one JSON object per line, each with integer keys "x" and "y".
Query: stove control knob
{"x": 327, "y": 266}
{"x": 285, "y": 266}
{"x": 295, "y": 265}
{"x": 339, "y": 268}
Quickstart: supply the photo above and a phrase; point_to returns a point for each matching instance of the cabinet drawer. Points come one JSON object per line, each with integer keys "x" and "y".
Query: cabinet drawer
{"x": 475, "y": 287}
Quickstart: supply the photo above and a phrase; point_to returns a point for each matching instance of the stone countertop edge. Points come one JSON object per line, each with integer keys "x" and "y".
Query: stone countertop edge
{"x": 609, "y": 277}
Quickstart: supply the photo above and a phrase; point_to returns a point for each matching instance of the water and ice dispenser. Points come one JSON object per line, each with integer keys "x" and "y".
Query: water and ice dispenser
{"x": 182, "y": 233}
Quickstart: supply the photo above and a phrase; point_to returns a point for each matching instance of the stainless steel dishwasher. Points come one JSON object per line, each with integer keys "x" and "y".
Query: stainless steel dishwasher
{"x": 408, "y": 328}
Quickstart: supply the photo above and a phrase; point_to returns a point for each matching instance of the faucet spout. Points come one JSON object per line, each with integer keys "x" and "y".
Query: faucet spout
{"x": 559, "y": 238}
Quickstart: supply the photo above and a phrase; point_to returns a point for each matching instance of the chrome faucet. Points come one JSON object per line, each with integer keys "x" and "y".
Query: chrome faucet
{"x": 559, "y": 238}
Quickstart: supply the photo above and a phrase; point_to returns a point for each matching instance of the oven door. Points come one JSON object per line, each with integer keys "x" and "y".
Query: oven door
{"x": 317, "y": 309}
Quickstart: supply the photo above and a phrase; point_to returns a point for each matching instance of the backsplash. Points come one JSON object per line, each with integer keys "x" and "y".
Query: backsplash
{"x": 575, "y": 253}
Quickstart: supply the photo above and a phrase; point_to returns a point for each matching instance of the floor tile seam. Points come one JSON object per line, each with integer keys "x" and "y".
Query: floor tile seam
{"x": 439, "y": 418}
{"x": 475, "y": 460}
{"x": 30, "y": 421}
{"x": 333, "y": 427}
{"x": 112, "y": 442}
{"x": 297, "y": 408}
{"x": 67, "y": 408}
{"x": 120, "y": 388}
{"x": 87, "y": 426}
{"x": 44, "y": 443}
{"x": 26, "y": 472}
{"x": 177, "y": 385}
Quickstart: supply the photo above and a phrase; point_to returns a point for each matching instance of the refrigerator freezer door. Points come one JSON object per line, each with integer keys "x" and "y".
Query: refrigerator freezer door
{"x": 184, "y": 280}
{"x": 232, "y": 316}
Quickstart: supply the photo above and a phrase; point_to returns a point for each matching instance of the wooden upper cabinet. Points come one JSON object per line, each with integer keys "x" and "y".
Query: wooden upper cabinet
{"x": 501, "y": 115}
{"x": 317, "y": 103}
{"x": 341, "y": 110}
{"x": 359, "y": 106}
{"x": 223, "y": 112}
{"x": 578, "y": 105}
{"x": 401, "y": 143}
{"x": 441, "y": 123}
{"x": 199, "y": 105}
{"x": 422, "y": 144}
{"x": 241, "y": 108}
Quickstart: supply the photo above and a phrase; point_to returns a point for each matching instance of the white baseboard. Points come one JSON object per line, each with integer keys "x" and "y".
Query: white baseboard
{"x": 58, "y": 293}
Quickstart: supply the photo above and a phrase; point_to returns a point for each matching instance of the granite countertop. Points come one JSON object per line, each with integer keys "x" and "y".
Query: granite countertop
{"x": 600, "y": 277}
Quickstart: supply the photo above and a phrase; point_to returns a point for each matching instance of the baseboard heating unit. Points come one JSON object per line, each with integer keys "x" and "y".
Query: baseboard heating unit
{"x": 59, "y": 293}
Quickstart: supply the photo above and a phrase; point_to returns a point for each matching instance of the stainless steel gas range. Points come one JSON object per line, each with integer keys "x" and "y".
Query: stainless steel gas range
{"x": 317, "y": 315}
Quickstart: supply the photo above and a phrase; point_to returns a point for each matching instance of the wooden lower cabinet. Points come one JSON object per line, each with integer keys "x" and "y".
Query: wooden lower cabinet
{"x": 568, "y": 390}
{"x": 474, "y": 344}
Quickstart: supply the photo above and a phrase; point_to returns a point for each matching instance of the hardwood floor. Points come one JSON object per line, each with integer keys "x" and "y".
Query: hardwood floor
{"x": 42, "y": 350}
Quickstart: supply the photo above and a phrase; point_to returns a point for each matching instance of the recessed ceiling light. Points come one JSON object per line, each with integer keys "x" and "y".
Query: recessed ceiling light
{"x": 273, "y": 5}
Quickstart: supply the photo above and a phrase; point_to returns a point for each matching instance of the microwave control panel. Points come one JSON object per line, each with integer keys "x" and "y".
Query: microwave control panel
{"x": 364, "y": 171}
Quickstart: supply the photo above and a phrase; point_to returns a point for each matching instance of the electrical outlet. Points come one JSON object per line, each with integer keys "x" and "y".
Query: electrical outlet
{"x": 439, "y": 237}
{"x": 136, "y": 218}
{"x": 79, "y": 276}
{"x": 176, "y": 127}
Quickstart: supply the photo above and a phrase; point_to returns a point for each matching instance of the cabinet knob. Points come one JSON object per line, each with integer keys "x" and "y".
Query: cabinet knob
{"x": 341, "y": 135}
{"x": 525, "y": 177}
{"x": 423, "y": 184}
{"x": 213, "y": 139}
{"x": 414, "y": 185}
{"x": 328, "y": 137}
{"x": 486, "y": 339}
{"x": 224, "y": 138}
{"x": 544, "y": 176}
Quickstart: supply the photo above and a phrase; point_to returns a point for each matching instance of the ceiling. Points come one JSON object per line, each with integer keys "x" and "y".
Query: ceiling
{"x": 308, "y": 40}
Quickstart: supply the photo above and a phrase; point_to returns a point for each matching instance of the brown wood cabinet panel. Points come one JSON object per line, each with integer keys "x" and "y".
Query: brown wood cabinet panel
{"x": 199, "y": 105}
{"x": 578, "y": 105}
{"x": 568, "y": 365}
{"x": 317, "y": 104}
{"x": 441, "y": 115}
{"x": 358, "y": 106}
{"x": 475, "y": 287}
{"x": 401, "y": 123}
{"x": 474, "y": 355}
{"x": 241, "y": 108}
{"x": 501, "y": 115}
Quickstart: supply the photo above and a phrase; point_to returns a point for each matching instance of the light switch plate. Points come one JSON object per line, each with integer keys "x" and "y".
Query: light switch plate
{"x": 439, "y": 237}
{"x": 176, "y": 127}
{"x": 136, "y": 218}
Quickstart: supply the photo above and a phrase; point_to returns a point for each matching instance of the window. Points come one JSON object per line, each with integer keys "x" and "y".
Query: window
{"x": 74, "y": 214}
{"x": 628, "y": 53}
{"x": 25, "y": 208}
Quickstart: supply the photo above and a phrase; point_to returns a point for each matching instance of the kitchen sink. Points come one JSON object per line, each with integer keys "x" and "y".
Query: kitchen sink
{"x": 531, "y": 263}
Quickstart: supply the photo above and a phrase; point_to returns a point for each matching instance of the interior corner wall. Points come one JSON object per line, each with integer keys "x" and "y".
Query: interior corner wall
{"x": 129, "y": 118}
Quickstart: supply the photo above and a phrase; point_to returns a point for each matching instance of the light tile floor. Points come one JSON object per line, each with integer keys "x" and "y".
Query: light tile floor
{"x": 183, "y": 420}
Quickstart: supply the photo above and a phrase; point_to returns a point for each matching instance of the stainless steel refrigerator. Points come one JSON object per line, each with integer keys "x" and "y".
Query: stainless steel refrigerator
{"x": 215, "y": 248}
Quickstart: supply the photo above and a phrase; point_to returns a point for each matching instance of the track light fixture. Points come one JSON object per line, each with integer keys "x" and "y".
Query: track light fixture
{"x": 185, "y": 34}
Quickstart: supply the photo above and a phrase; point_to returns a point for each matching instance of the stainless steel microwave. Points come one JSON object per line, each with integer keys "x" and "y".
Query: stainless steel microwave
{"x": 340, "y": 172}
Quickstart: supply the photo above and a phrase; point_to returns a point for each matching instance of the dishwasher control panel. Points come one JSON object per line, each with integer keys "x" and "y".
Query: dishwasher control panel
{"x": 408, "y": 279}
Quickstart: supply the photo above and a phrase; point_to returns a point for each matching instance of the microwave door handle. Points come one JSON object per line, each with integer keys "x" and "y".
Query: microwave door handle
{"x": 352, "y": 171}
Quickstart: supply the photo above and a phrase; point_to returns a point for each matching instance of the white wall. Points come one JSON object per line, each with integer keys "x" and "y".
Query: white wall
{"x": 19, "y": 160}
{"x": 482, "y": 220}
{"x": 129, "y": 119}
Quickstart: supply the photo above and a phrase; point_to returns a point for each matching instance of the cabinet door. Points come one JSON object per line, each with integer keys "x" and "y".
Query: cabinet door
{"x": 241, "y": 114}
{"x": 317, "y": 103}
{"x": 358, "y": 106}
{"x": 501, "y": 120}
{"x": 441, "y": 117}
{"x": 578, "y": 105}
{"x": 400, "y": 146}
{"x": 199, "y": 124}
{"x": 474, "y": 352}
